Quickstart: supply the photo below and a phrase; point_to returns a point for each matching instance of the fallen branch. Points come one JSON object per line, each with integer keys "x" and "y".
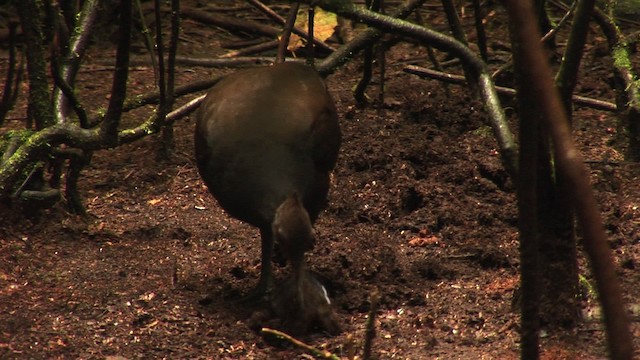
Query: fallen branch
{"x": 255, "y": 49}
{"x": 370, "y": 332}
{"x": 231, "y": 23}
{"x": 205, "y": 62}
{"x": 153, "y": 98}
{"x": 308, "y": 348}
{"x": 459, "y": 80}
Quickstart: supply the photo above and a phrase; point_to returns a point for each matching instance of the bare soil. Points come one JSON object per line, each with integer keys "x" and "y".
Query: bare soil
{"x": 420, "y": 209}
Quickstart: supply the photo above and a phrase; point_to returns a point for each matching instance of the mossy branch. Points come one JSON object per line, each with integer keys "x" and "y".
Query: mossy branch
{"x": 626, "y": 82}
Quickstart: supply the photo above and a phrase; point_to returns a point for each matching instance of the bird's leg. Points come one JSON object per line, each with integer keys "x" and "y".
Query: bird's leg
{"x": 262, "y": 291}
{"x": 266, "y": 274}
{"x": 298, "y": 266}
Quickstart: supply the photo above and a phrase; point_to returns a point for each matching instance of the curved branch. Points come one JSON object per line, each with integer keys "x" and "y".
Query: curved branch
{"x": 38, "y": 146}
{"x": 367, "y": 37}
{"x": 77, "y": 48}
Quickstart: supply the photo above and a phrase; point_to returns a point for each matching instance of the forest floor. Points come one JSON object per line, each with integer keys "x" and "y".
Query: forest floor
{"x": 420, "y": 209}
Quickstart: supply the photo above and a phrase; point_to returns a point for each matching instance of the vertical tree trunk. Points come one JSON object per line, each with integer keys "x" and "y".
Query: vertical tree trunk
{"x": 39, "y": 108}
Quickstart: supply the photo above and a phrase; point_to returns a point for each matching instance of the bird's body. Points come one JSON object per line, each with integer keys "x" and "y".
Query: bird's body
{"x": 266, "y": 140}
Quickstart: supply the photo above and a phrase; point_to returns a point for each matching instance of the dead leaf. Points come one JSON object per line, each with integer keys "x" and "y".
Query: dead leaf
{"x": 323, "y": 27}
{"x": 420, "y": 241}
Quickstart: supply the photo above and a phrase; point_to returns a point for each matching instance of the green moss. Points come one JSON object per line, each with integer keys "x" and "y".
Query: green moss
{"x": 588, "y": 289}
{"x": 10, "y": 135}
{"x": 101, "y": 112}
{"x": 484, "y": 131}
{"x": 621, "y": 56}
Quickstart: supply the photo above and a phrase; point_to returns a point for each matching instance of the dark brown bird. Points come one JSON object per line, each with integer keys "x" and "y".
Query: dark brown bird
{"x": 266, "y": 140}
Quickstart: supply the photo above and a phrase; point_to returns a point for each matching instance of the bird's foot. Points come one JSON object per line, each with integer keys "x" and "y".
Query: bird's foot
{"x": 261, "y": 294}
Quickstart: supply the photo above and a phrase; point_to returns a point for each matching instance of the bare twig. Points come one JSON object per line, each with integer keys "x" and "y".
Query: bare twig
{"x": 208, "y": 62}
{"x": 478, "y": 15}
{"x": 367, "y": 70}
{"x": 567, "y": 75}
{"x": 265, "y": 46}
{"x": 308, "y": 348}
{"x": 459, "y": 80}
{"x": 231, "y": 23}
{"x": 171, "y": 76}
{"x": 286, "y": 32}
{"x": 154, "y": 97}
{"x": 458, "y": 33}
{"x": 555, "y": 29}
{"x": 311, "y": 23}
{"x": 370, "y": 332}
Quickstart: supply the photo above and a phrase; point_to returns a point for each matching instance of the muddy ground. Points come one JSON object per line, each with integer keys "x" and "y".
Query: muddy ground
{"x": 420, "y": 209}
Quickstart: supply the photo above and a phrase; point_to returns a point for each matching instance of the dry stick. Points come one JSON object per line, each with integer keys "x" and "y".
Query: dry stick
{"x": 206, "y": 62}
{"x": 459, "y": 80}
{"x": 231, "y": 23}
{"x": 478, "y": 15}
{"x": 161, "y": 82}
{"x": 265, "y": 46}
{"x": 286, "y": 32}
{"x": 538, "y": 75}
{"x": 153, "y": 98}
{"x": 367, "y": 70}
{"x": 370, "y": 332}
{"x": 173, "y": 50}
{"x": 567, "y": 76}
{"x": 382, "y": 59}
{"x": 308, "y": 348}
{"x": 431, "y": 54}
{"x": 458, "y": 33}
{"x": 148, "y": 43}
{"x": 280, "y": 20}
{"x": 559, "y": 24}
{"x": 185, "y": 109}
{"x": 239, "y": 44}
{"x": 167, "y": 130}
{"x": 311, "y": 23}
